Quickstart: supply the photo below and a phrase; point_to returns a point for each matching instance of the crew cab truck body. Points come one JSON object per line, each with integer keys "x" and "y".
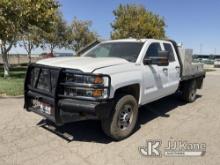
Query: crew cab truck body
{"x": 110, "y": 81}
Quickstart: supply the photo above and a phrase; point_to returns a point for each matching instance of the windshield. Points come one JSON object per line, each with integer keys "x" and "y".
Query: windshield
{"x": 126, "y": 50}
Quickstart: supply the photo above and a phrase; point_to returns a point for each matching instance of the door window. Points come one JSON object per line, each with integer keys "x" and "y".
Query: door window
{"x": 169, "y": 48}
{"x": 153, "y": 50}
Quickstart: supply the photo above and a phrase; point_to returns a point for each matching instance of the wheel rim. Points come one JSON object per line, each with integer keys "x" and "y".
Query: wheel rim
{"x": 125, "y": 117}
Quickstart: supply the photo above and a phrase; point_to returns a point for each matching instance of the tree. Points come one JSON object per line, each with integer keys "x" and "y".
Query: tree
{"x": 135, "y": 21}
{"x": 16, "y": 17}
{"x": 80, "y": 34}
{"x": 58, "y": 35}
{"x": 31, "y": 40}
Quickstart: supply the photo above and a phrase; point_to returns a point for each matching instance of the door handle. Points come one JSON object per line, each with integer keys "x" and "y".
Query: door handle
{"x": 177, "y": 67}
{"x": 165, "y": 70}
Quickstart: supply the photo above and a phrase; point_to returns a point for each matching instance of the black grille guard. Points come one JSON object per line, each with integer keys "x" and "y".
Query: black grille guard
{"x": 54, "y": 97}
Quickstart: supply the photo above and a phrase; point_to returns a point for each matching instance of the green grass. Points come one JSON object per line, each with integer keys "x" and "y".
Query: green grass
{"x": 13, "y": 85}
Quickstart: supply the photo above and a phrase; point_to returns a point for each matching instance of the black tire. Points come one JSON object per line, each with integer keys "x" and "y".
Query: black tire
{"x": 189, "y": 91}
{"x": 123, "y": 120}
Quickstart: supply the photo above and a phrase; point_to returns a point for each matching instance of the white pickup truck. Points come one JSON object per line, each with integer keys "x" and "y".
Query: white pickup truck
{"x": 110, "y": 81}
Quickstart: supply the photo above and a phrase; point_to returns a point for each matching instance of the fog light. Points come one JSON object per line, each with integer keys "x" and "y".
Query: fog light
{"x": 97, "y": 93}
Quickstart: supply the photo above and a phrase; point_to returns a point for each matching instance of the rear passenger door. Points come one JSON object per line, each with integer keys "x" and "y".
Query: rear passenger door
{"x": 173, "y": 69}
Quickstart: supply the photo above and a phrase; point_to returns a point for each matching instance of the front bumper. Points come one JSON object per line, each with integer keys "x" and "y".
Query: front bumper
{"x": 63, "y": 109}
{"x": 72, "y": 110}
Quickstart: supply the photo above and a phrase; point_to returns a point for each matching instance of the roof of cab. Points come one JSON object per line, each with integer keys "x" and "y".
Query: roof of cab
{"x": 126, "y": 40}
{"x": 132, "y": 40}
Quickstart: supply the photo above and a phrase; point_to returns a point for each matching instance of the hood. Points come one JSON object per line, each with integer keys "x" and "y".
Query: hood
{"x": 85, "y": 64}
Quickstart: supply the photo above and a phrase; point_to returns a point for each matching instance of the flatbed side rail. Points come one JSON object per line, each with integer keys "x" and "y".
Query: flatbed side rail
{"x": 198, "y": 75}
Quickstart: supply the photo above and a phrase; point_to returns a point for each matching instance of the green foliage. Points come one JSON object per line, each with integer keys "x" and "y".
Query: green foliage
{"x": 135, "y": 21}
{"x": 30, "y": 40}
{"x": 58, "y": 35}
{"x": 18, "y": 16}
{"x": 80, "y": 34}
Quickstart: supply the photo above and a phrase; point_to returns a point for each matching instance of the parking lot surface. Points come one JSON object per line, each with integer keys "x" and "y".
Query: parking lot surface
{"x": 23, "y": 142}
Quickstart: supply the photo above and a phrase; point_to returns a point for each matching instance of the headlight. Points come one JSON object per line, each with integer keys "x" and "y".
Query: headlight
{"x": 86, "y": 85}
{"x": 96, "y": 93}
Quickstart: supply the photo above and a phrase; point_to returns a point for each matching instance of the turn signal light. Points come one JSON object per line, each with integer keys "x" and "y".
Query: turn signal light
{"x": 98, "y": 80}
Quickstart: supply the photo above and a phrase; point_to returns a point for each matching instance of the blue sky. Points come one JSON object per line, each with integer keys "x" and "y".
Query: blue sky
{"x": 195, "y": 23}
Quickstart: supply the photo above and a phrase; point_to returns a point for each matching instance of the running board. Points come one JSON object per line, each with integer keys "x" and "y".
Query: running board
{"x": 58, "y": 131}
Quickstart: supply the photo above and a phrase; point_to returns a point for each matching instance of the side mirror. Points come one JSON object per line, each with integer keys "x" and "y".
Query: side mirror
{"x": 161, "y": 60}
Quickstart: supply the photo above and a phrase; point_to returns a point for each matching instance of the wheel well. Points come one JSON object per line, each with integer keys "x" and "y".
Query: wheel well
{"x": 199, "y": 82}
{"x": 133, "y": 90}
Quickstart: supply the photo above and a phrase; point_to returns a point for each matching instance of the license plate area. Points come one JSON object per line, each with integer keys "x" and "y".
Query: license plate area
{"x": 42, "y": 107}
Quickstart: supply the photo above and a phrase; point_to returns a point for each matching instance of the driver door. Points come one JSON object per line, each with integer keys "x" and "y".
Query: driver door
{"x": 155, "y": 77}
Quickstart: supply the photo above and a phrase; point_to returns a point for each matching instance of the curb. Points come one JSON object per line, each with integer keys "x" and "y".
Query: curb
{"x": 12, "y": 97}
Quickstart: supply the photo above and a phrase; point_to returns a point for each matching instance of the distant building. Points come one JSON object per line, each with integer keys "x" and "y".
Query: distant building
{"x": 206, "y": 56}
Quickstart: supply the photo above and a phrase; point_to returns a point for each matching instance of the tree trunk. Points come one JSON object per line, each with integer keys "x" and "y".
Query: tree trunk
{"x": 4, "y": 51}
{"x": 29, "y": 57}
{"x": 52, "y": 48}
{"x": 6, "y": 64}
{"x": 30, "y": 47}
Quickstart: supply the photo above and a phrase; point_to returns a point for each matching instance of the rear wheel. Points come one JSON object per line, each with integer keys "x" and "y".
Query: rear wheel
{"x": 189, "y": 91}
{"x": 122, "y": 121}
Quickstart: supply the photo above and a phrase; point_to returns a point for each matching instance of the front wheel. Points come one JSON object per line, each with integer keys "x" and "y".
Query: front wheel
{"x": 122, "y": 121}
